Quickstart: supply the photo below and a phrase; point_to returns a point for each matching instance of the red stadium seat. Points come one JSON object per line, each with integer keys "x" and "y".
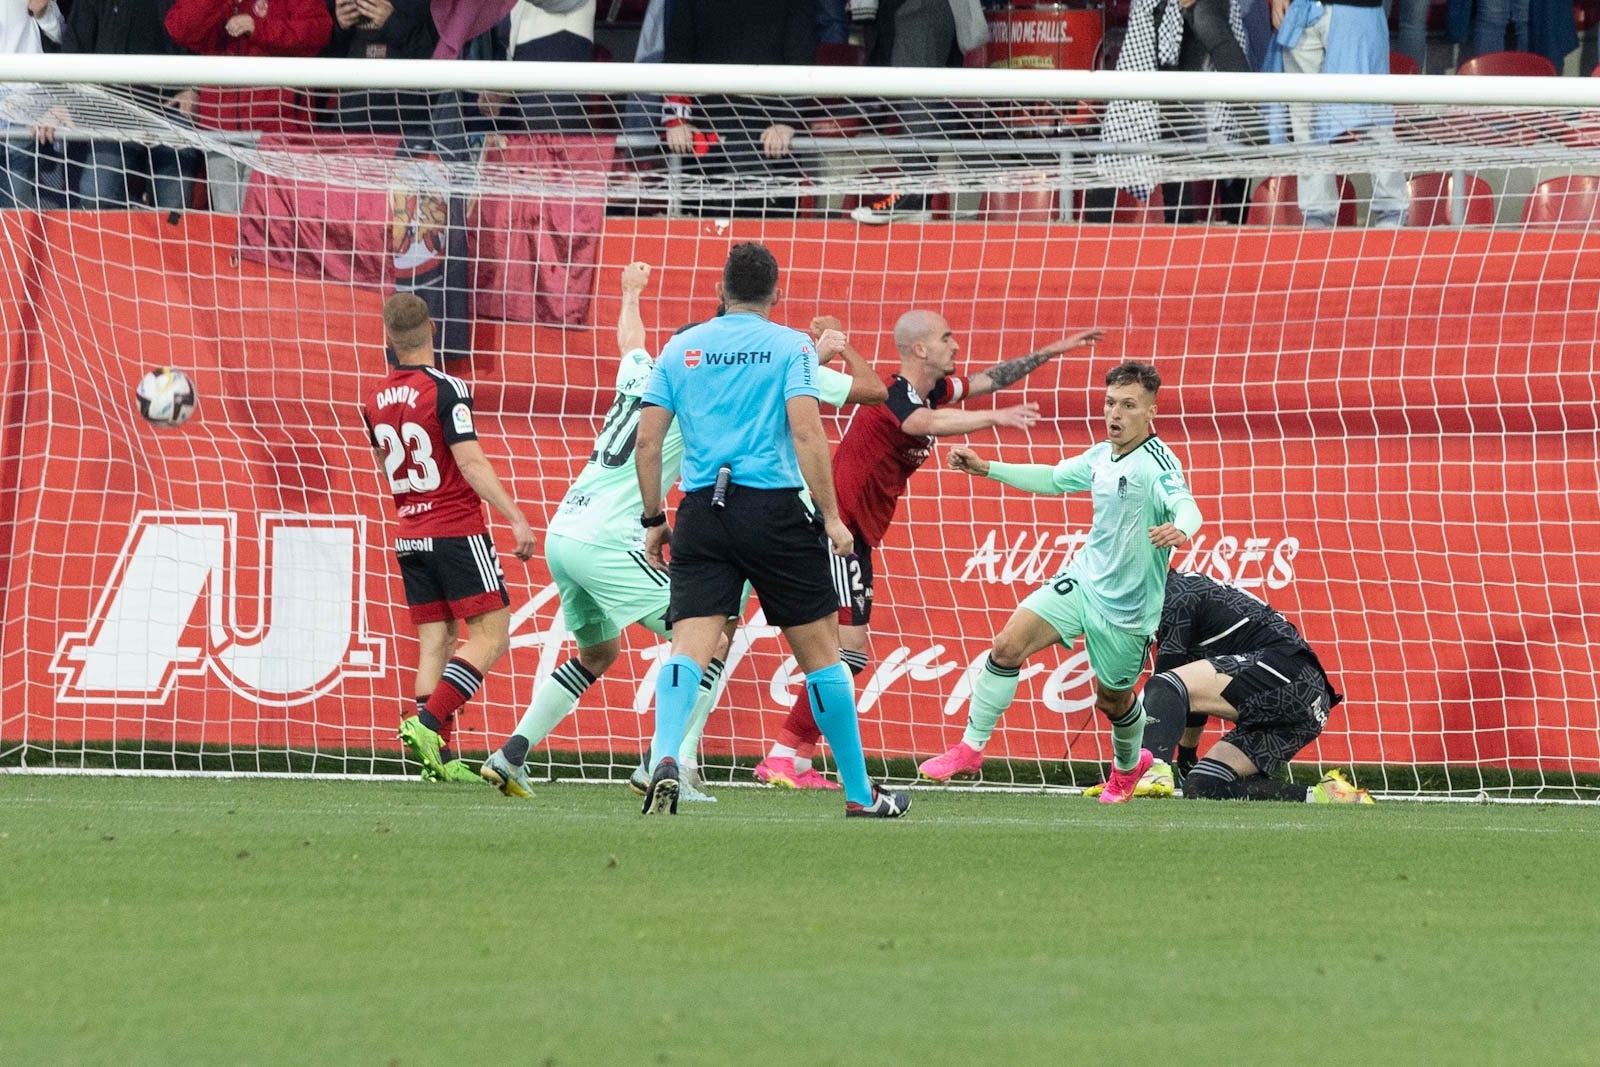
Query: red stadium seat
{"x": 1509, "y": 64}
{"x": 1020, "y": 205}
{"x": 1585, "y": 15}
{"x": 1431, "y": 195}
{"x": 830, "y": 54}
{"x": 1274, "y": 203}
{"x": 1133, "y": 212}
{"x": 1400, "y": 63}
{"x": 1126, "y": 209}
{"x": 1570, "y": 200}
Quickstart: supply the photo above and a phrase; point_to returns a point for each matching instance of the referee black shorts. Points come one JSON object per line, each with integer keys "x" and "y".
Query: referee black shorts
{"x": 764, "y": 536}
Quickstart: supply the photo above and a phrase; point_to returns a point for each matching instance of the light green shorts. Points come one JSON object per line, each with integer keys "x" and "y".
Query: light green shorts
{"x": 604, "y": 590}
{"x": 1116, "y": 656}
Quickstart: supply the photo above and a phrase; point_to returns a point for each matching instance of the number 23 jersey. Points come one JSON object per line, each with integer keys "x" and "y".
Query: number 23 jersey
{"x": 412, "y": 420}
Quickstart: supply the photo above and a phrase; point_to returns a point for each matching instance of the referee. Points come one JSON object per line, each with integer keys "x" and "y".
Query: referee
{"x": 744, "y": 392}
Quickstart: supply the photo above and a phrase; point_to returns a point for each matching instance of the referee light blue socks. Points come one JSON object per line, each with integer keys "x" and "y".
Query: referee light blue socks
{"x": 993, "y": 690}
{"x": 833, "y": 703}
{"x": 677, "y": 687}
{"x": 689, "y": 750}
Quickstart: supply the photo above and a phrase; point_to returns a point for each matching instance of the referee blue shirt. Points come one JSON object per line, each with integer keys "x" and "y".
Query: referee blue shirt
{"x": 727, "y": 382}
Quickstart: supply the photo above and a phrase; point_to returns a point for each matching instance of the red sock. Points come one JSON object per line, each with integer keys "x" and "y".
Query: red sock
{"x": 461, "y": 680}
{"x": 800, "y": 728}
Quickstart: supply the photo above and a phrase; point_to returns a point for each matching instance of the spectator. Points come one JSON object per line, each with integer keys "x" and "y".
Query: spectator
{"x": 833, "y": 21}
{"x": 248, "y": 28}
{"x": 1544, "y": 27}
{"x": 554, "y": 31}
{"x": 380, "y": 29}
{"x": 737, "y": 137}
{"x": 132, "y": 27}
{"x": 918, "y": 33}
{"x": 1174, "y": 36}
{"x": 29, "y": 164}
{"x": 1213, "y": 34}
{"x": 1491, "y": 19}
{"x": 1337, "y": 37}
{"x": 1413, "y": 36}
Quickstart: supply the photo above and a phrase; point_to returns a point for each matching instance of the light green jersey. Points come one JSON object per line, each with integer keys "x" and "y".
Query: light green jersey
{"x": 603, "y": 505}
{"x": 1124, "y": 573}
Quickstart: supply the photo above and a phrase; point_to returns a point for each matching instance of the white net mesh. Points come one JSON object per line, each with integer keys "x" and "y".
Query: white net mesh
{"x": 1391, "y": 432}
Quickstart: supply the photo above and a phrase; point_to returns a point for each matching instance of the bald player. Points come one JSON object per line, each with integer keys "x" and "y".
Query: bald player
{"x": 880, "y": 452}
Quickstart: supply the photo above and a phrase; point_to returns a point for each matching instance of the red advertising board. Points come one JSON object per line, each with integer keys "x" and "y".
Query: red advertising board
{"x": 1392, "y": 437}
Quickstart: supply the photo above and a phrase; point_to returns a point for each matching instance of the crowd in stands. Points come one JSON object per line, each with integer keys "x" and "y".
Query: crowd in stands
{"x": 731, "y": 137}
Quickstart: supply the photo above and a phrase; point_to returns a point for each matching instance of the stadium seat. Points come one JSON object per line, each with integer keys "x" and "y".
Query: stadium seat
{"x": 1020, "y": 205}
{"x": 1134, "y": 212}
{"x": 1400, "y": 63}
{"x": 1508, "y": 64}
{"x": 1585, "y": 15}
{"x": 1274, "y": 203}
{"x": 1568, "y": 200}
{"x": 1126, "y": 209}
{"x": 1430, "y": 200}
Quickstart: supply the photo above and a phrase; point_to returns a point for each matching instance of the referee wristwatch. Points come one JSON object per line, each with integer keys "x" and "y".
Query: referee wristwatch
{"x": 649, "y": 521}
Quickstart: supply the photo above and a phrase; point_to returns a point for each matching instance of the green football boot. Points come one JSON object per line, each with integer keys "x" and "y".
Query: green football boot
{"x": 424, "y": 744}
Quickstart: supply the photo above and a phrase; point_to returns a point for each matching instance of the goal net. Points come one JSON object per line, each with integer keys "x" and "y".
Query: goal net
{"x": 1391, "y": 431}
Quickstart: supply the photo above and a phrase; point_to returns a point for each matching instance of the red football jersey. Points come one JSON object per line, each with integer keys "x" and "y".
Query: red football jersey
{"x": 412, "y": 420}
{"x": 876, "y": 458}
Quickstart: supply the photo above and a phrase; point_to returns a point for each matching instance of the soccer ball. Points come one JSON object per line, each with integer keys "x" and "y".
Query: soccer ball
{"x": 166, "y": 397}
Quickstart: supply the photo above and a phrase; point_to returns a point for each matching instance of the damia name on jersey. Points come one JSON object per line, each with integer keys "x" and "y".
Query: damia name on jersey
{"x": 398, "y": 394}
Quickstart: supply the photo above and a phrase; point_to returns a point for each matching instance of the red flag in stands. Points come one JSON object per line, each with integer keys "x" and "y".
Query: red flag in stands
{"x": 534, "y": 257}
{"x": 318, "y": 228}
{"x": 403, "y": 235}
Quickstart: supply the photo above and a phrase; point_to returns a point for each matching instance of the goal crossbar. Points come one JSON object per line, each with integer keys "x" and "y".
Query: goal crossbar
{"x": 891, "y": 82}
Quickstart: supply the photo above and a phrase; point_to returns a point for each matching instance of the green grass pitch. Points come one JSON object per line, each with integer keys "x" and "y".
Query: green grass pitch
{"x": 168, "y": 921}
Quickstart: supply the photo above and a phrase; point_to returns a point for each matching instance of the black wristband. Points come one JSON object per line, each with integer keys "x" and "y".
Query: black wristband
{"x": 659, "y": 519}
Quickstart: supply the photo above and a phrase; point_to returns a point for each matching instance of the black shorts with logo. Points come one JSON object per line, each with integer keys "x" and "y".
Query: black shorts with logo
{"x": 852, "y": 584}
{"x": 450, "y": 577}
{"x": 1283, "y": 699}
{"x": 764, "y": 536}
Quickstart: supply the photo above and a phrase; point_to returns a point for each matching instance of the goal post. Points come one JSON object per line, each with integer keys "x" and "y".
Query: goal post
{"x": 1392, "y": 433}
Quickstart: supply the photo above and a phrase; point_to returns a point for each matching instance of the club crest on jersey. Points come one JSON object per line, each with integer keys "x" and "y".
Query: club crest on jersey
{"x": 691, "y": 357}
{"x": 1122, "y": 486}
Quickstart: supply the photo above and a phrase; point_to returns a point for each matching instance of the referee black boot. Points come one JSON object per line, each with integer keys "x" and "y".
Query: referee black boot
{"x": 662, "y": 796}
{"x": 885, "y": 805}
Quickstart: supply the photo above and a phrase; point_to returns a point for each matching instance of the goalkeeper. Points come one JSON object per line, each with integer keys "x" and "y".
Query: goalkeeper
{"x": 1111, "y": 590}
{"x": 1222, "y": 652}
